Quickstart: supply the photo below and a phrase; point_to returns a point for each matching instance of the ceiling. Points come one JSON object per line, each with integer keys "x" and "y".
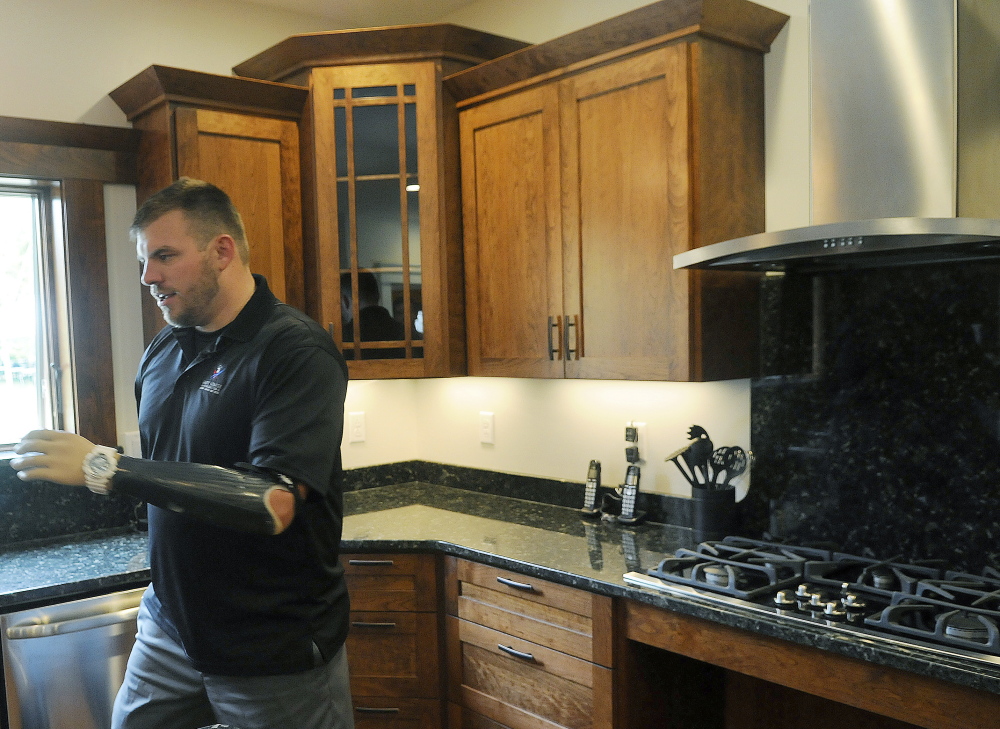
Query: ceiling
{"x": 371, "y": 13}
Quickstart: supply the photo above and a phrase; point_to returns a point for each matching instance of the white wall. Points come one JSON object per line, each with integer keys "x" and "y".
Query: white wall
{"x": 61, "y": 58}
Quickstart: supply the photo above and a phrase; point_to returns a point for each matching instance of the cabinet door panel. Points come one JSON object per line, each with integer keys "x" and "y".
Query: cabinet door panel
{"x": 626, "y": 212}
{"x": 510, "y": 155}
{"x": 382, "y": 233}
{"x": 394, "y": 654}
{"x": 391, "y": 581}
{"x": 256, "y": 161}
{"x": 489, "y": 679}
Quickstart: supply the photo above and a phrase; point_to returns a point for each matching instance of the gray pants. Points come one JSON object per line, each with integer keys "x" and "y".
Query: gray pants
{"x": 163, "y": 691}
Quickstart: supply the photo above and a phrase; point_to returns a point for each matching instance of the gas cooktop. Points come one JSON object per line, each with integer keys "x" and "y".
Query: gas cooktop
{"x": 923, "y": 606}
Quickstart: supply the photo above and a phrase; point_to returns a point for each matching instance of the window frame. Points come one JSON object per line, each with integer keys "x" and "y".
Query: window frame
{"x": 82, "y": 158}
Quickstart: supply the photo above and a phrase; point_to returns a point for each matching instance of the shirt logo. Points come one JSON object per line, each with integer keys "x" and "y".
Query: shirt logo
{"x": 214, "y": 384}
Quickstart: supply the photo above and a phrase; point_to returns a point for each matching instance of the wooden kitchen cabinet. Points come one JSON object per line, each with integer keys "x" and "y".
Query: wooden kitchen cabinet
{"x": 524, "y": 652}
{"x": 239, "y": 134}
{"x": 393, "y": 647}
{"x": 581, "y": 183}
{"x": 382, "y": 207}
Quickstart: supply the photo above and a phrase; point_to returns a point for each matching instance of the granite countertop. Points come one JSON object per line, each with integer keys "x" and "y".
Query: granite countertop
{"x": 541, "y": 540}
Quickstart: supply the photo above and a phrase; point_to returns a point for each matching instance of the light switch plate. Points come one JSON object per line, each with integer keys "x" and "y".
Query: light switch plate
{"x": 486, "y": 428}
{"x": 356, "y": 427}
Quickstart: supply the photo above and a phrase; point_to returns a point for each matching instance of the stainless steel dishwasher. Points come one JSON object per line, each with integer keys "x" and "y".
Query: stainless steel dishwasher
{"x": 63, "y": 664}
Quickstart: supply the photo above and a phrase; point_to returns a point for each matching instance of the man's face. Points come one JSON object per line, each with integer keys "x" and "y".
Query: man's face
{"x": 180, "y": 277}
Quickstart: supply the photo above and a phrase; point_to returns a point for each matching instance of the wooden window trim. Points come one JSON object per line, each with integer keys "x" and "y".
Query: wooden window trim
{"x": 82, "y": 158}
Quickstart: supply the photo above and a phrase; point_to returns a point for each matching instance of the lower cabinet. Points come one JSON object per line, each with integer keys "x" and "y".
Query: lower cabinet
{"x": 524, "y": 653}
{"x": 394, "y": 647}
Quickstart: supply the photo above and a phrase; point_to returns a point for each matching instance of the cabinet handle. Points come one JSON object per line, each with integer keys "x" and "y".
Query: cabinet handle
{"x": 571, "y": 323}
{"x": 375, "y": 710}
{"x": 362, "y": 624}
{"x": 554, "y": 323}
{"x": 516, "y": 585}
{"x": 516, "y": 653}
{"x": 370, "y": 562}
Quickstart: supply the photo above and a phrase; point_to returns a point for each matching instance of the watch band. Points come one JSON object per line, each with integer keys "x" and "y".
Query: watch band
{"x": 98, "y": 467}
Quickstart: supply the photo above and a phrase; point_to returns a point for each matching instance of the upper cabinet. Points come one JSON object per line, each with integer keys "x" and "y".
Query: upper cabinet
{"x": 381, "y": 197}
{"x": 587, "y": 163}
{"x": 239, "y": 134}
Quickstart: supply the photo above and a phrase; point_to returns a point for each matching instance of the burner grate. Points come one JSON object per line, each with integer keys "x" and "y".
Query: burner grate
{"x": 744, "y": 571}
{"x": 940, "y": 621}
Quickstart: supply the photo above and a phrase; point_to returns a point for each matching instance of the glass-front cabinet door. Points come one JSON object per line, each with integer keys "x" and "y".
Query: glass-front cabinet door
{"x": 379, "y": 224}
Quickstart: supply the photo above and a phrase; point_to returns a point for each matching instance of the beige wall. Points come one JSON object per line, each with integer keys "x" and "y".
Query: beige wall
{"x": 61, "y": 58}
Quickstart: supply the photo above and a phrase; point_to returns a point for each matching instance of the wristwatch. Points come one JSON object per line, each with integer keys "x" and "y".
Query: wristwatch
{"x": 98, "y": 467}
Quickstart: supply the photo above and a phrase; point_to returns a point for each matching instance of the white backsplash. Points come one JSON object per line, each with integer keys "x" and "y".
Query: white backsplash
{"x": 545, "y": 428}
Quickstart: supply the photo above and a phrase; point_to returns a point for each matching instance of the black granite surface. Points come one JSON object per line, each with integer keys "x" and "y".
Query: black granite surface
{"x": 878, "y": 428}
{"x": 39, "y": 510}
{"x": 536, "y": 539}
{"x": 659, "y": 508}
{"x": 36, "y": 510}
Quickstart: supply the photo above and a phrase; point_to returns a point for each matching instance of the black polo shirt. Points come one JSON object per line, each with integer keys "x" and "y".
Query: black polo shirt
{"x": 268, "y": 391}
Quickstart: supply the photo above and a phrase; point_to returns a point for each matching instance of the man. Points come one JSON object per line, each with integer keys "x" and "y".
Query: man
{"x": 241, "y": 415}
{"x": 375, "y": 323}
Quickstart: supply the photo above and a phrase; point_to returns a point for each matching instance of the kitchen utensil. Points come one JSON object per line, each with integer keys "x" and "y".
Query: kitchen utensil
{"x": 696, "y": 431}
{"x": 698, "y": 456}
{"x": 719, "y": 460}
{"x": 737, "y": 462}
{"x": 676, "y": 458}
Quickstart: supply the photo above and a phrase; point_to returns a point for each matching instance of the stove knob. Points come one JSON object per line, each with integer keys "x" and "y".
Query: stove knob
{"x": 853, "y": 602}
{"x": 803, "y": 591}
{"x": 817, "y": 599}
{"x": 784, "y": 598}
{"x": 832, "y": 610}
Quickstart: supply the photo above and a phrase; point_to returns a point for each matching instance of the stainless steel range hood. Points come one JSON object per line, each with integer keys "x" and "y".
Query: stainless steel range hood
{"x": 853, "y": 245}
{"x": 904, "y": 136}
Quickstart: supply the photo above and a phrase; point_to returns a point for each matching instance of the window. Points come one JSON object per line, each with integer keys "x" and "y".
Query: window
{"x": 52, "y": 177}
{"x": 36, "y": 376}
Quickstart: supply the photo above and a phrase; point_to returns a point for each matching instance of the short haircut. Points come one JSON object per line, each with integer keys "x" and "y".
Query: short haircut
{"x": 208, "y": 210}
{"x": 368, "y": 291}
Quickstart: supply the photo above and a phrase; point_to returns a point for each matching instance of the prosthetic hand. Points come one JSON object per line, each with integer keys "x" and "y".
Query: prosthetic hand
{"x": 251, "y": 500}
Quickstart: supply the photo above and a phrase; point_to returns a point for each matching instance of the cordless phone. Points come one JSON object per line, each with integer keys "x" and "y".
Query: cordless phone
{"x": 630, "y": 490}
{"x": 590, "y": 507}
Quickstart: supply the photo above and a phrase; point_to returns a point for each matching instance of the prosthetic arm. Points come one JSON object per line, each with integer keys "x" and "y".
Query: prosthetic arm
{"x": 238, "y": 499}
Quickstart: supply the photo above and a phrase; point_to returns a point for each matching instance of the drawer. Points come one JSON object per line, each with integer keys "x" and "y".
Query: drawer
{"x": 394, "y": 654}
{"x": 554, "y": 616}
{"x": 515, "y": 682}
{"x": 383, "y": 582}
{"x": 460, "y": 717}
{"x": 388, "y": 713}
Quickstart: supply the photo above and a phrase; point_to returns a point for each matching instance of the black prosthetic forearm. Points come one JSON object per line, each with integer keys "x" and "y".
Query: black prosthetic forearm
{"x": 222, "y": 496}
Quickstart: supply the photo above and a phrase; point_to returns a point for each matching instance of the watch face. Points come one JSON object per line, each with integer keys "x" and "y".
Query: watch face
{"x": 99, "y": 464}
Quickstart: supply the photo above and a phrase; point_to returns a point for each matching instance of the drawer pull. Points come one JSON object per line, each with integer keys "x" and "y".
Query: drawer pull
{"x": 375, "y": 710}
{"x": 370, "y": 562}
{"x": 516, "y": 653}
{"x": 362, "y": 624}
{"x": 516, "y": 585}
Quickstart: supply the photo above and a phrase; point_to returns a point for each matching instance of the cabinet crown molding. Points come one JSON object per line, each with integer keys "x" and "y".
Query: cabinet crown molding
{"x": 369, "y": 45}
{"x": 737, "y": 22}
{"x": 160, "y": 84}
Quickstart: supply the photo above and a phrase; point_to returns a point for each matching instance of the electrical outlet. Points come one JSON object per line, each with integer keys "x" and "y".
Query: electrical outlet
{"x": 635, "y": 441}
{"x": 133, "y": 444}
{"x": 486, "y": 425}
{"x": 356, "y": 427}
